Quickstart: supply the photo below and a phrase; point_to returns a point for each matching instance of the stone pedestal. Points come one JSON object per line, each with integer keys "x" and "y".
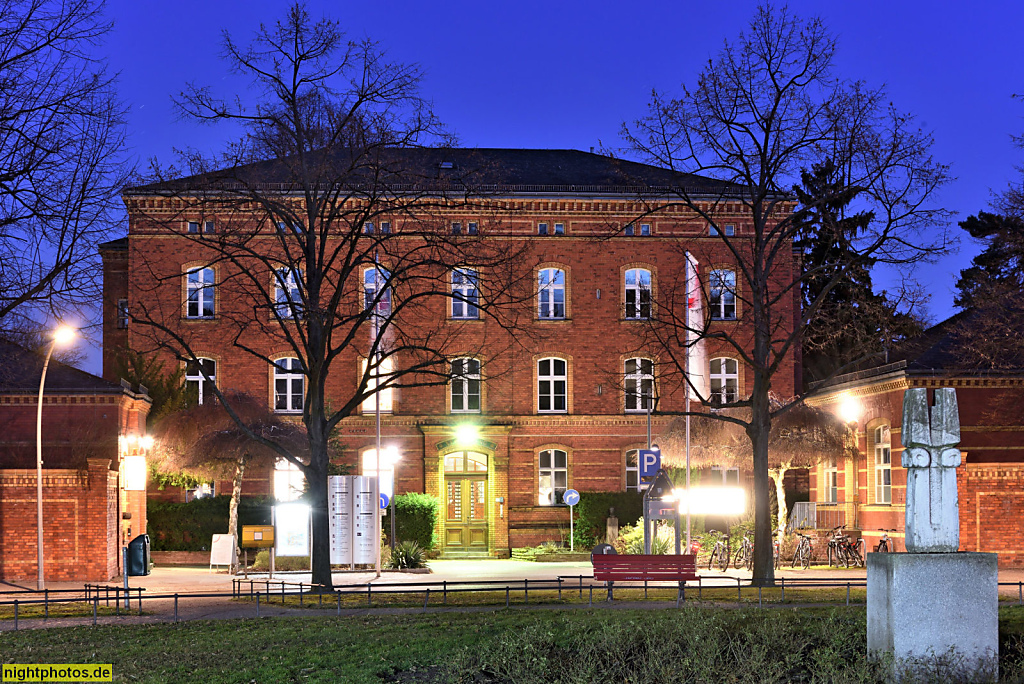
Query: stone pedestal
{"x": 935, "y": 610}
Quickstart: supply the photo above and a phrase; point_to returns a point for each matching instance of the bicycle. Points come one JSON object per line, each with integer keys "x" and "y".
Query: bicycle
{"x": 744, "y": 554}
{"x": 885, "y": 544}
{"x": 803, "y": 551}
{"x": 834, "y": 551}
{"x": 720, "y": 552}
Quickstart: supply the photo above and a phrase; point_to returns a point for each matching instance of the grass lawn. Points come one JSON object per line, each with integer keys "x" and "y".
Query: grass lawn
{"x": 522, "y": 646}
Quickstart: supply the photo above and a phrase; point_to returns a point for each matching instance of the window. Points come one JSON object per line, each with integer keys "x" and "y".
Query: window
{"x": 289, "y": 385}
{"x": 639, "y": 385}
{"x": 200, "y": 293}
{"x": 551, "y": 386}
{"x": 284, "y": 227}
{"x": 385, "y": 227}
{"x": 472, "y": 228}
{"x": 465, "y": 462}
{"x": 384, "y": 369}
{"x": 559, "y": 229}
{"x": 465, "y": 386}
{"x": 633, "y": 483}
{"x": 374, "y": 281}
{"x": 465, "y": 294}
{"x": 726, "y": 477}
{"x": 638, "y": 293}
{"x": 388, "y": 457}
{"x": 553, "y": 477}
{"x": 722, "y": 285}
{"x": 368, "y": 228}
{"x": 551, "y": 293}
{"x": 542, "y": 229}
{"x": 200, "y": 378}
{"x": 831, "y": 483}
{"x": 628, "y": 231}
{"x": 122, "y": 314}
{"x": 289, "y": 482}
{"x": 645, "y": 228}
{"x": 286, "y": 292}
{"x": 729, "y": 230}
{"x": 456, "y": 228}
{"x": 208, "y": 227}
{"x": 193, "y": 226}
{"x": 725, "y": 380}
{"x": 883, "y": 465}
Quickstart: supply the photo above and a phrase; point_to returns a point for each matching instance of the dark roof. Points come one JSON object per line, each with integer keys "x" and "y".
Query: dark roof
{"x": 484, "y": 169}
{"x": 20, "y": 369}
{"x": 120, "y": 244}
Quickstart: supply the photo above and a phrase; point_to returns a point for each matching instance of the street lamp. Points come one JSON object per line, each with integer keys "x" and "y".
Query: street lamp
{"x": 63, "y": 335}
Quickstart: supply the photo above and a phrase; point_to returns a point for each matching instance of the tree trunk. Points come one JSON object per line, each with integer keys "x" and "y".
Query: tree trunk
{"x": 778, "y": 475}
{"x": 316, "y": 479}
{"x": 236, "y": 494}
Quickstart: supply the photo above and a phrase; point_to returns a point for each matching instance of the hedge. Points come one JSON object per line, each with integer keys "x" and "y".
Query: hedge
{"x": 190, "y": 526}
{"x": 592, "y": 512}
{"x": 415, "y": 518}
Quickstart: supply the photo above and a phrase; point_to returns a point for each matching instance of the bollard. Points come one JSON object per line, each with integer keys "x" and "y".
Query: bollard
{"x": 426, "y": 600}
{"x": 581, "y": 586}
{"x": 175, "y": 608}
{"x": 257, "y": 605}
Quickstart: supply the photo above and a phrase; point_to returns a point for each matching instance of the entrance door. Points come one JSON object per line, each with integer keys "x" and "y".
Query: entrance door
{"x": 465, "y": 481}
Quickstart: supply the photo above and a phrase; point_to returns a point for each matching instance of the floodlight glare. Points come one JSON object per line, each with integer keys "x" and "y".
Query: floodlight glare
{"x": 63, "y": 335}
{"x": 466, "y": 434}
{"x": 849, "y": 409}
{"x": 725, "y": 501}
{"x": 146, "y": 442}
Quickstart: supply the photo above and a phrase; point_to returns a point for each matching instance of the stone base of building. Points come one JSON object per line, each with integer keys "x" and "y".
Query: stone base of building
{"x": 935, "y": 612}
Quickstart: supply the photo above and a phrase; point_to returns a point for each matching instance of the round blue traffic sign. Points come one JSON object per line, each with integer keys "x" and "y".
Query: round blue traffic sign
{"x": 384, "y": 501}
{"x": 571, "y": 497}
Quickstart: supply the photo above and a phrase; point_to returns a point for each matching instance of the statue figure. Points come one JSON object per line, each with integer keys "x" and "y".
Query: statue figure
{"x": 931, "y": 456}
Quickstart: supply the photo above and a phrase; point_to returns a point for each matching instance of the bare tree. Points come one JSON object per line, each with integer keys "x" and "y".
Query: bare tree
{"x": 327, "y": 228}
{"x": 766, "y": 108}
{"x": 61, "y": 139}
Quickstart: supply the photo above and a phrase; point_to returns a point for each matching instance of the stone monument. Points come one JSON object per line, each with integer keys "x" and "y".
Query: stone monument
{"x": 933, "y": 607}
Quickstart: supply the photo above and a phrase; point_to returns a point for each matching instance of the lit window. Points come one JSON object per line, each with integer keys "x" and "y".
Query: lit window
{"x": 123, "y": 315}
{"x": 639, "y": 385}
{"x": 287, "y": 295}
{"x": 831, "y": 484}
{"x": 374, "y": 281}
{"x": 200, "y": 293}
{"x": 725, "y": 380}
{"x": 465, "y": 386}
{"x": 465, "y": 294}
{"x": 200, "y": 378}
{"x": 384, "y": 369}
{"x": 386, "y": 466}
{"x": 552, "y": 383}
{"x": 289, "y": 482}
{"x": 551, "y": 293}
{"x": 722, "y": 286}
{"x": 289, "y": 385}
{"x": 638, "y": 293}
{"x": 633, "y": 483}
{"x": 552, "y": 477}
{"x": 883, "y": 465}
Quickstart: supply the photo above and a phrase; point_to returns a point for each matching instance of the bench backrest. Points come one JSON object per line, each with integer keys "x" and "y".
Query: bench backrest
{"x": 641, "y": 567}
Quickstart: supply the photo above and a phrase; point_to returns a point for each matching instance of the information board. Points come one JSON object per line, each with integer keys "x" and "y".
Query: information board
{"x": 339, "y": 512}
{"x": 353, "y": 515}
{"x": 223, "y": 550}
{"x": 291, "y": 527}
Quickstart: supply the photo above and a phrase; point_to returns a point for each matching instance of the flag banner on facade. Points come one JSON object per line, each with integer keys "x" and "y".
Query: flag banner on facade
{"x": 697, "y": 352}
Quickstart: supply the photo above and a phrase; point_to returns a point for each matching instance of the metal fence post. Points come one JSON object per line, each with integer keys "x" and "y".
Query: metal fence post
{"x": 1020, "y": 593}
{"x": 526, "y": 591}
{"x": 300, "y": 594}
{"x": 15, "y": 614}
{"x": 758, "y": 595}
{"x": 257, "y": 605}
{"x": 95, "y": 606}
{"x": 338, "y": 594}
{"x": 369, "y": 594}
{"x": 445, "y": 587}
{"x": 783, "y": 599}
{"x": 645, "y": 588}
{"x": 506, "y": 597}
{"x": 591, "y": 595}
{"x": 426, "y": 600}
{"x": 175, "y": 608}
{"x": 46, "y": 604}
{"x": 739, "y": 591}
{"x": 559, "y": 588}
{"x": 847, "y": 593}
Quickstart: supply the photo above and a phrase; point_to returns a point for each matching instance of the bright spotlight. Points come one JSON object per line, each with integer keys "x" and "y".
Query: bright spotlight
{"x": 63, "y": 335}
{"x": 725, "y": 501}
{"x": 467, "y": 434}
{"x": 849, "y": 409}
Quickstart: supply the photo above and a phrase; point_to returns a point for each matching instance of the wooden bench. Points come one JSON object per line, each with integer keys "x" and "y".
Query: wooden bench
{"x": 638, "y": 568}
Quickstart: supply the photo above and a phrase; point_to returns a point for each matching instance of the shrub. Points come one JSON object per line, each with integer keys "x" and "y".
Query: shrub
{"x": 407, "y": 554}
{"x": 416, "y": 516}
{"x": 631, "y": 539}
{"x": 591, "y": 513}
{"x": 281, "y": 563}
{"x": 174, "y": 526}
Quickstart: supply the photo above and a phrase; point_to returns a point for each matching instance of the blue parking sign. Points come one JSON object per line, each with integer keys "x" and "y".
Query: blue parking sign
{"x": 649, "y": 462}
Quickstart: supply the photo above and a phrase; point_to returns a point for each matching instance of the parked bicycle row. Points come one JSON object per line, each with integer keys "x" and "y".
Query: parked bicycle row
{"x": 718, "y": 549}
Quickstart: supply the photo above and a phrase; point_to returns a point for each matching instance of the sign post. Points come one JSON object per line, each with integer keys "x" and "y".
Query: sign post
{"x": 570, "y": 498}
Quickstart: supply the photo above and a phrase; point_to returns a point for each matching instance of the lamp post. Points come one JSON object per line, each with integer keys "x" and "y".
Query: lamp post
{"x": 62, "y": 335}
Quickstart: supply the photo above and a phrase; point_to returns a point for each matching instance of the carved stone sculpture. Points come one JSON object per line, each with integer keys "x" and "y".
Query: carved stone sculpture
{"x": 931, "y": 456}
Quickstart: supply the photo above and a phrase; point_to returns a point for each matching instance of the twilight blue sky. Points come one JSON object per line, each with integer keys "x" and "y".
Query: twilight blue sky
{"x": 566, "y": 74}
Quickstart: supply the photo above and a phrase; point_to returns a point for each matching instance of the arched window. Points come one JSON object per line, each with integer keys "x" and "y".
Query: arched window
{"x": 551, "y": 294}
{"x": 465, "y": 386}
{"x": 200, "y": 378}
{"x": 289, "y": 385}
{"x": 638, "y": 382}
{"x": 722, "y": 295}
{"x": 638, "y": 293}
{"x": 552, "y": 476}
{"x": 552, "y": 386}
{"x": 725, "y": 380}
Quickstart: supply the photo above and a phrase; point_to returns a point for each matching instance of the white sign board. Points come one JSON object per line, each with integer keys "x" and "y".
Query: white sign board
{"x": 223, "y": 550}
{"x": 339, "y": 514}
{"x": 367, "y": 516}
{"x": 353, "y": 516}
{"x": 291, "y": 527}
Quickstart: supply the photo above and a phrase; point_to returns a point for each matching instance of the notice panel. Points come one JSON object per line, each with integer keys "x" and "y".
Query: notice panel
{"x": 339, "y": 509}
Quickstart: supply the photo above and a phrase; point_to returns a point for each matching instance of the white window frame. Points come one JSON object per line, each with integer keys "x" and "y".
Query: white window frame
{"x": 369, "y": 405}
{"x": 638, "y": 384}
{"x": 553, "y": 386}
{"x": 645, "y": 229}
{"x": 730, "y": 477}
{"x": 633, "y": 483}
{"x": 472, "y": 228}
{"x": 289, "y": 482}
{"x": 542, "y": 229}
{"x": 465, "y": 294}
{"x": 200, "y": 289}
{"x": 830, "y": 486}
{"x": 722, "y": 294}
{"x": 194, "y": 376}
{"x": 639, "y": 309}
{"x": 883, "y": 465}
{"x": 289, "y": 385}
{"x": 466, "y": 386}
{"x": 375, "y": 278}
{"x": 549, "y": 291}
{"x": 727, "y": 381}
{"x": 287, "y": 292}
{"x": 558, "y": 229}
{"x": 549, "y": 491}
{"x": 729, "y": 229}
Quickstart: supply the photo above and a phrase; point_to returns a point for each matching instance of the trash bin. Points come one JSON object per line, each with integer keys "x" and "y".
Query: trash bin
{"x": 138, "y": 556}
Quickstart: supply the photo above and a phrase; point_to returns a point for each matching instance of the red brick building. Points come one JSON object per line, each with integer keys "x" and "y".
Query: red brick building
{"x": 558, "y": 407}
{"x": 868, "y": 492}
{"x": 89, "y": 428}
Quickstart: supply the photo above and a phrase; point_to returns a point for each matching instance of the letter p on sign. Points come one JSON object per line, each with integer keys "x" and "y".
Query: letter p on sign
{"x": 650, "y": 462}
